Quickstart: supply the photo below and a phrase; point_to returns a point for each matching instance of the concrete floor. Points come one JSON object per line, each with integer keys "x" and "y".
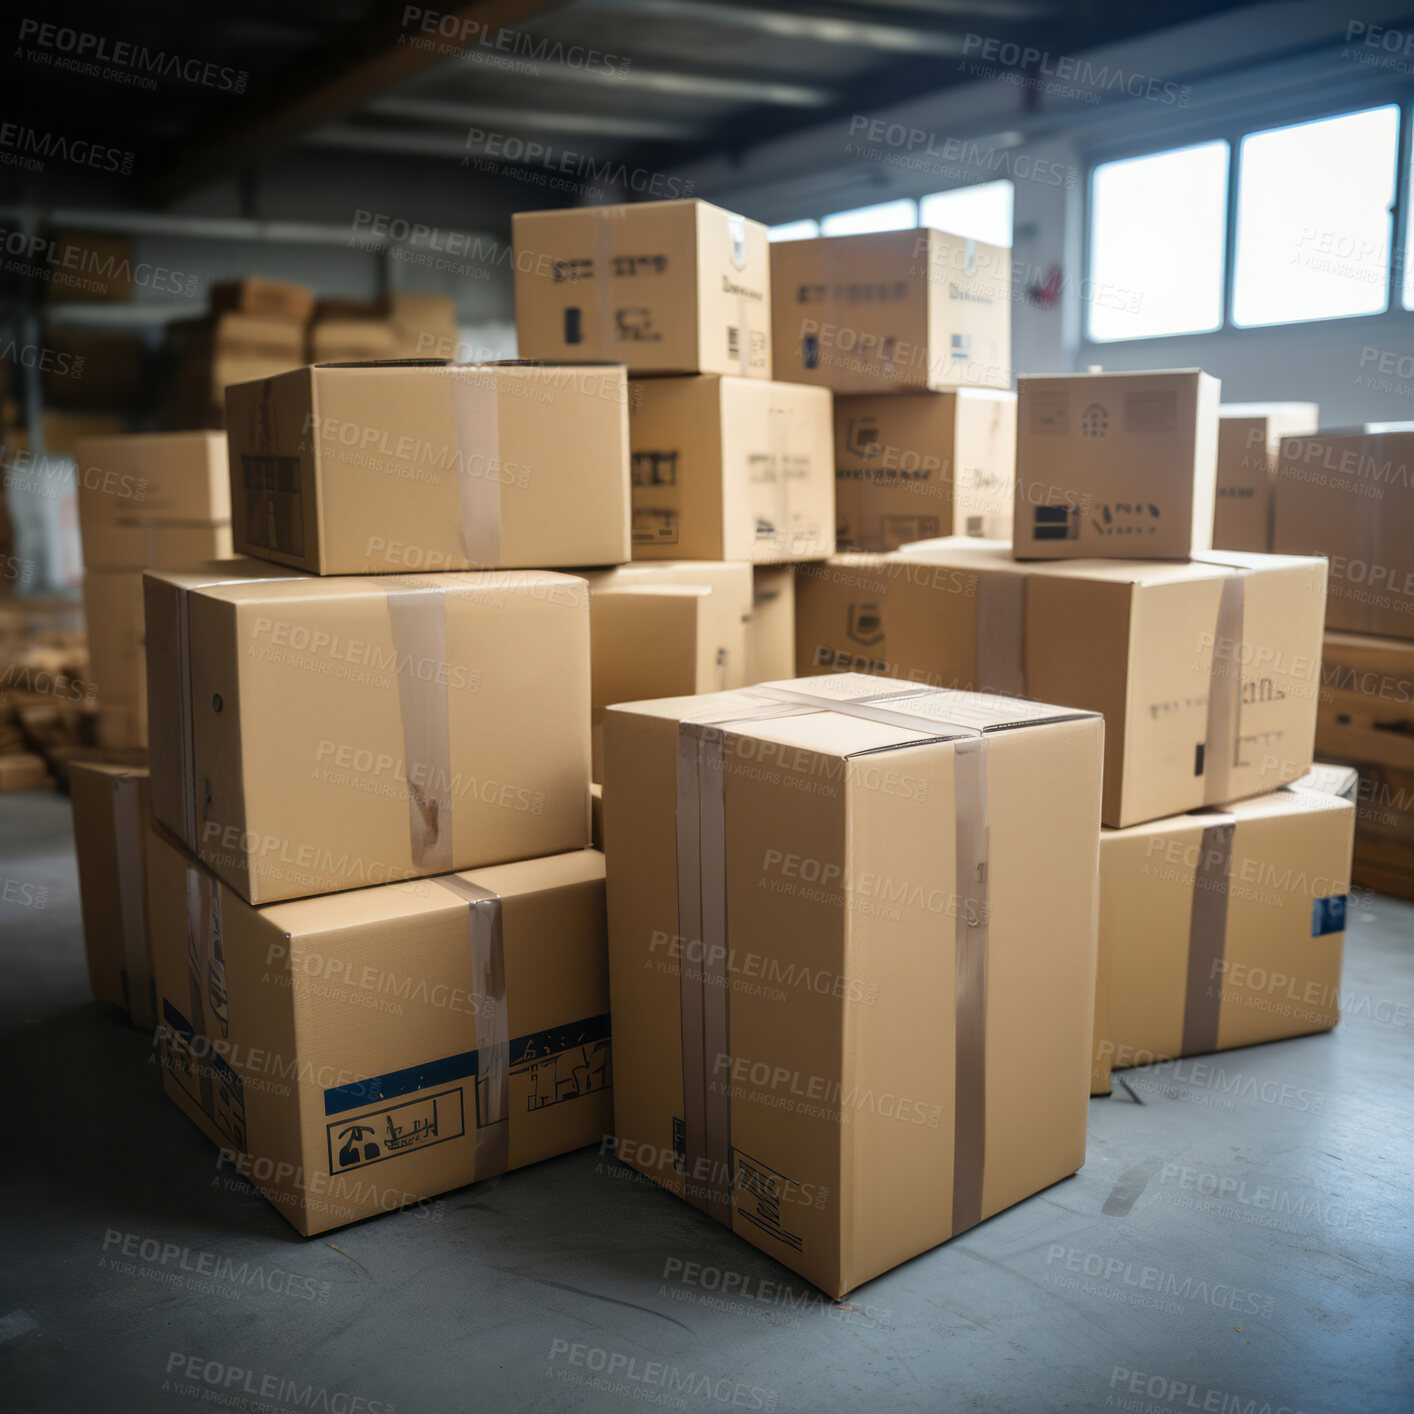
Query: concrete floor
{"x": 1240, "y": 1241}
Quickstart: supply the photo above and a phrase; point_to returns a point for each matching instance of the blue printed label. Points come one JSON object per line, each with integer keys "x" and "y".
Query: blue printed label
{"x": 1328, "y": 915}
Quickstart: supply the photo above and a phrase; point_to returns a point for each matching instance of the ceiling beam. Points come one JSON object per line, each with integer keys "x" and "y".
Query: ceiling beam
{"x": 531, "y": 119}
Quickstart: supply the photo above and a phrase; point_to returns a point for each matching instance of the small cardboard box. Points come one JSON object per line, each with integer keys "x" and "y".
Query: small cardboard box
{"x": 893, "y": 311}
{"x": 1117, "y": 465}
{"x": 665, "y": 628}
{"x": 264, "y": 298}
{"x": 112, "y": 817}
{"x": 353, "y": 341}
{"x": 1224, "y": 928}
{"x": 916, "y": 466}
{"x": 1350, "y": 496}
{"x": 385, "y": 468}
{"x": 87, "y": 267}
{"x": 770, "y": 636}
{"x": 117, "y": 654}
{"x": 139, "y": 544}
{"x": 314, "y": 734}
{"x": 1367, "y": 720}
{"x": 731, "y": 469}
{"x": 894, "y": 1043}
{"x": 1249, "y": 440}
{"x": 153, "y": 476}
{"x": 1207, "y": 673}
{"x": 364, "y": 1051}
{"x": 689, "y": 287}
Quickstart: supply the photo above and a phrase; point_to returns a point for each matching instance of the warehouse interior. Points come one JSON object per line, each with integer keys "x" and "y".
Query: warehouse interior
{"x": 307, "y": 326}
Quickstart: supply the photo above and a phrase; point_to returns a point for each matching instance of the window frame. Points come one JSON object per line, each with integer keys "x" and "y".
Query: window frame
{"x": 1390, "y": 322}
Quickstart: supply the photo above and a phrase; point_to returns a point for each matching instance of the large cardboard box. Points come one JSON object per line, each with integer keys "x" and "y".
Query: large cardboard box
{"x": 893, "y": 311}
{"x": 155, "y": 476}
{"x": 770, "y": 636}
{"x": 117, "y": 654}
{"x": 264, "y": 298}
{"x": 894, "y": 1042}
{"x": 1121, "y": 465}
{"x": 731, "y": 469}
{"x": 917, "y": 466}
{"x": 1224, "y": 928}
{"x": 688, "y": 287}
{"x": 228, "y": 347}
{"x": 360, "y": 1052}
{"x": 1367, "y": 721}
{"x": 317, "y": 734}
{"x": 1249, "y": 440}
{"x": 1207, "y": 672}
{"x": 1349, "y": 495}
{"x": 137, "y": 544}
{"x": 426, "y": 466}
{"x": 112, "y": 817}
{"x": 666, "y": 628}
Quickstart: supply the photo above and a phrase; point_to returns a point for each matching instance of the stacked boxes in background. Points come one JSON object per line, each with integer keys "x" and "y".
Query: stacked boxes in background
{"x": 145, "y": 500}
{"x": 1348, "y": 494}
{"x": 1249, "y": 443}
{"x": 375, "y": 786}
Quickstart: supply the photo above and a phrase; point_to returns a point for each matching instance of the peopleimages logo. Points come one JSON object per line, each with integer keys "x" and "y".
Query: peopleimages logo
{"x": 100, "y": 57}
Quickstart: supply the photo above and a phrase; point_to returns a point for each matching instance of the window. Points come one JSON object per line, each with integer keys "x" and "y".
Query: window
{"x": 794, "y": 231}
{"x": 981, "y": 213}
{"x": 886, "y": 216}
{"x": 1158, "y": 231}
{"x": 1313, "y": 219}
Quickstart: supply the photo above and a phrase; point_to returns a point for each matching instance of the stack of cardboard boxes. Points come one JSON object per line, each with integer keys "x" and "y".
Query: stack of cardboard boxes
{"x": 1205, "y": 666}
{"x": 377, "y": 926}
{"x": 1349, "y": 495}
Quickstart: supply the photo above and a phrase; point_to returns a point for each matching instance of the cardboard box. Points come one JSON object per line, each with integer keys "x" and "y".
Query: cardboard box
{"x": 895, "y": 1041}
{"x": 88, "y": 268}
{"x": 689, "y": 288}
{"x": 425, "y": 325}
{"x": 731, "y": 469}
{"x": 770, "y": 635}
{"x": 1120, "y": 465}
{"x": 916, "y": 466}
{"x": 264, "y": 298}
{"x": 353, "y": 341}
{"x": 112, "y": 817}
{"x": 1224, "y": 928}
{"x": 93, "y": 368}
{"x": 141, "y": 544}
{"x": 360, "y": 1052}
{"x": 1176, "y": 656}
{"x": 311, "y": 734}
{"x": 1367, "y": 720}
{"x": 596, "y": 813}
{"x": 894, "y": 311}
{"x": 1350, "y": 496}
{"x": 154, "y": 476}
{"x": 211, "y": 354}
{"x": 117, "y": 654}
{"x": 23, "y": 770}
{"x": 1249, "y": 440}
{"x": 664, "y": 629}
{"x": 411, "y": 466}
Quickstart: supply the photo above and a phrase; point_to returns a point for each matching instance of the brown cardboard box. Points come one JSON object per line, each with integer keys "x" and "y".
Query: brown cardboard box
{"x": 89, "y": 268}
{"x": 690, "y": 289}
{"x": 895, "y": 311}
{"x": 211, "y": 354}
{"x": 117, "y": 654}
{"x": 356, "y": 1053}
{"x": 411, "y": 466}
{"x": 264, "y": 298}
{"x": 1350, "y": 496}
{"x": 1224, "y": 928}
{"x": 895, "y": 1041}
{"x": 112, "y": 817}
{"x": 92, "y": 368}
{"x": 1121, "y": 465}
{"x": 317, "y": 734}
{"x": 1249, "y": 439}
{"x": 1367, "y": 720}
{"x": 770, "y": 636}
{"x": 140, "y": 544}
{"x": 665, "y": 628}
{"x": 353, "y": 341}
{"x": 425, "y": 325}
{"x": 731, "y": 469}
{"x": 23, "y": 770}
{"x": 162, "y": 476}
{"x": 1141, "y": 641}
{"x": 916, "y": 466}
